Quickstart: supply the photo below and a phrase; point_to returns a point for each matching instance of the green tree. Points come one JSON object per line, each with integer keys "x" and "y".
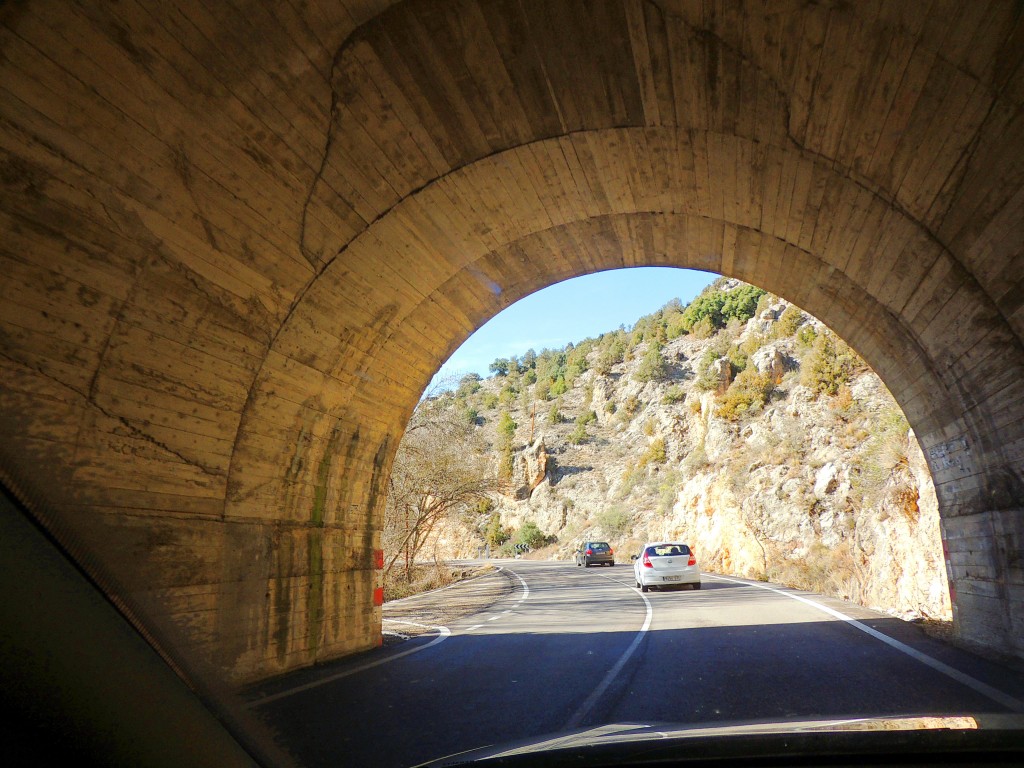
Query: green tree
{"x": 652, "y": 366}
{"x": 829, "y": 364}
{"x": 496, "y": 534}
{"x": 788, "y": 323}
{"x": 506, "y": 427}
{"x": 468, "y": 385}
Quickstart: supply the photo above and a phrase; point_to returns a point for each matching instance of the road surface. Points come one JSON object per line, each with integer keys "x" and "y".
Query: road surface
{"x": 563, "y": 647}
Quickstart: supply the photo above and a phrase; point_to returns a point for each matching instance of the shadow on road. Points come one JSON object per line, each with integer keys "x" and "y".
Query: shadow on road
{"x": 475, "y": 690}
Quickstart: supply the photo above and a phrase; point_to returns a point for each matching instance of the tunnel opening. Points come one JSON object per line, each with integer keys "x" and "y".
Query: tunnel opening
{"x": 802, "y": 471}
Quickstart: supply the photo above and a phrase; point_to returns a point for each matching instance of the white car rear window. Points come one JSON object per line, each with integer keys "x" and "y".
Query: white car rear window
{"x": 668, "y": 550}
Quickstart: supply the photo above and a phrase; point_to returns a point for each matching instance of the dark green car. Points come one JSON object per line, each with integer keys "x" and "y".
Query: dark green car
{"x": 595, "y": 553}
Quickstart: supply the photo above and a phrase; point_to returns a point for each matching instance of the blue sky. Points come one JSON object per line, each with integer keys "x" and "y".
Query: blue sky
{"x": 572, "y": 311}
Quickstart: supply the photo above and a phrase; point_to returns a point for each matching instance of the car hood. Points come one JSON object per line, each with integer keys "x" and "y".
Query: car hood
{"x": 929, "y": 739}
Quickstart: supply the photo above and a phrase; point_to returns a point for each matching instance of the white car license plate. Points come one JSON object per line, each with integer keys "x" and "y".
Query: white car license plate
{"x": 672, "y": 578}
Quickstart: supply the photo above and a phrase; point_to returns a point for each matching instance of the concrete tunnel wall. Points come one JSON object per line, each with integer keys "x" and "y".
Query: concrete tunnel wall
{"x": 239, "y": 240}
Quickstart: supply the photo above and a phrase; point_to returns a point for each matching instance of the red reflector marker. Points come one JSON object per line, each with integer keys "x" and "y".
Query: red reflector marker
{"x": 378, "y": 596}
{"x": 378, "y": 559}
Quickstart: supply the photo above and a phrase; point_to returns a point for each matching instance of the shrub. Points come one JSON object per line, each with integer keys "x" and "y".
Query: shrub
{"x": 489, "y": 401}
{"x": 695, "y": 460}
{"x": 579, "y": 435}
{"x": 555, "y": 415}
{"x": 805, "y": 336}
{"x": 829, "y": 365}
{"x": 588, "y": 394}
{"x": 788, "y": 323}
{"x": 468, "y": 385}
{"x": 703, "y": 328}
{"x": 655, "y": 453}
{"x": 738, "y": 359}
{"x": 763, "y": 302}
{"x": 588, "y": 417}
{"x": 674, "y": 394}
{"x": 748, "y": 392}
{"x": 532, "y": 536}
{"x": 752, "y": 344}
{"x": 707, "y": 379}
{"x": 505, "y": 463}
{"x": 613, "y": 520}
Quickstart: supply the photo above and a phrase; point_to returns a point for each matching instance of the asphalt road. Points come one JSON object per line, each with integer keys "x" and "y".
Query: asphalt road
{"x": 565, "y": 647}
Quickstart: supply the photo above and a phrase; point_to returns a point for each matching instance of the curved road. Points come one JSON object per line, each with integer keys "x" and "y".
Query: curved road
{"x": 568, "y": 647}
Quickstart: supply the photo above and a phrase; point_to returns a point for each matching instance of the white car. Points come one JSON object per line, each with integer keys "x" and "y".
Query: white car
{"x": 665, "y": 564}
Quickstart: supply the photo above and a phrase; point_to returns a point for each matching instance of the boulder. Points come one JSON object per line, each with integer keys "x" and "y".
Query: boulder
{"x": 771, "y": 360}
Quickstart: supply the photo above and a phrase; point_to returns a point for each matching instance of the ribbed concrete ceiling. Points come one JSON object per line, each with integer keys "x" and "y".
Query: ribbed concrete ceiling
{"x": 239, "y": 239}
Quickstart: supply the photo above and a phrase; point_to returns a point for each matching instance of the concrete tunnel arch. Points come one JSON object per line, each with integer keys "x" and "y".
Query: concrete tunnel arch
{"x": 237, "y": 269}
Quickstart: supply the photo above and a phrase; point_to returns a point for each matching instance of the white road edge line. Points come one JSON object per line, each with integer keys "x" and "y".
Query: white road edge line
{"x": 983, "y": 688}
{"x": 443, "y": 634}
{"x": 599, "y": 691}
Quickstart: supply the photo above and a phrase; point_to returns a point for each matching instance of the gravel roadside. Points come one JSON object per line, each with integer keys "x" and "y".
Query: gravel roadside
{"x": 421, "y": 614}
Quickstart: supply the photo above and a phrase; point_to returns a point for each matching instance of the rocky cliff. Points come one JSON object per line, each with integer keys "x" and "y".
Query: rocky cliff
{"x": 774, "y": 457}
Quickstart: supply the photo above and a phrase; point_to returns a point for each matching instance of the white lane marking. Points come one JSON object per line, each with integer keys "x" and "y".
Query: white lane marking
{"x": 983, "y": 688}
{"x": 599, "y": 691}
{"x": 443, "y": 634}
{"x": 494, "y": 618}
{"x": 526, "y": 589}
{"x": 470, "y": 629}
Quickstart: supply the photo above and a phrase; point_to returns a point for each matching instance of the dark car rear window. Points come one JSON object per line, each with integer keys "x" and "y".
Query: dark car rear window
{"x": 667, "y": 550}
{"x": 599, "y": 546}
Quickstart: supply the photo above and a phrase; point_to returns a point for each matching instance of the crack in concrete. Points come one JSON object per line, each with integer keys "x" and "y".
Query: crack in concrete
{"x": 136, "y": 432}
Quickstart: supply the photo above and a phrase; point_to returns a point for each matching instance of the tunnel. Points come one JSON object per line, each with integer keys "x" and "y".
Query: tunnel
{"x": 240, "y": 238}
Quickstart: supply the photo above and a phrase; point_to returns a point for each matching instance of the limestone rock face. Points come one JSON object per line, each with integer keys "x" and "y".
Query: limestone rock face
{"x": 825, "y": 481}
{"x": 531, "y": 469}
